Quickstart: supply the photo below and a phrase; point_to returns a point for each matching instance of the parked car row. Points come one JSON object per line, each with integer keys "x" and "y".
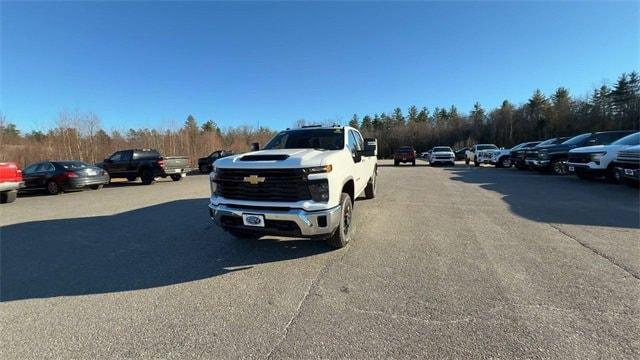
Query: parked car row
{"x": 609, "y": 154}
{"x": 57, "y": 176}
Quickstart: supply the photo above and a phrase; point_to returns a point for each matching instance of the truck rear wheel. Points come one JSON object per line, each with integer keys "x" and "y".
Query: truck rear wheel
{"x": 147, "y": 177}
{"x": 8, "y": 196}
{"x": 342, "y": 235}
{"x": 177, "y": 177}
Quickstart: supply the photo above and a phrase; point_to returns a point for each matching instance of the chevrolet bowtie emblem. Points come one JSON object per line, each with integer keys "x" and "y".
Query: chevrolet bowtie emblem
{"x": 253, "y": 179}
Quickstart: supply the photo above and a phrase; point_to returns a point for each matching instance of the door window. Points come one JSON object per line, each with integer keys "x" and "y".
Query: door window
{"x": 116, "y": 157}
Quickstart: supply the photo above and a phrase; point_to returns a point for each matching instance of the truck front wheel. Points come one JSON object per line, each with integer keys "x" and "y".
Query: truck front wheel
{"x": 342, "y": 235}
{"x": 176, "y": 177}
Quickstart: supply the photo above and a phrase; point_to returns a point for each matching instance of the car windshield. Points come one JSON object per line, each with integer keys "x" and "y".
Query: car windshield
{"x": 519, "y": 146}
{"x": 319, "y": 139}
{"x": 487, "y": 147}
{"x": 73, "y": 165}
{"x": 577, "y": 139}
{"x": 633, "y": 139}
{"x": 442, "y": 149}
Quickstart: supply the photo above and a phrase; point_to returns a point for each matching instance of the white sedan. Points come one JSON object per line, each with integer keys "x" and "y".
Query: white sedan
{"x": 442, "y": 154}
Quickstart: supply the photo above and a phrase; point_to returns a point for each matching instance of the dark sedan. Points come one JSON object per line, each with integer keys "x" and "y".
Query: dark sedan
{"x": 58, "y": 176}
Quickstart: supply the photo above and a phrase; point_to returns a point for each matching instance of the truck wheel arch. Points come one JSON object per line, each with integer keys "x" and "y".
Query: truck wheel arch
{"x": 349, "y": 188}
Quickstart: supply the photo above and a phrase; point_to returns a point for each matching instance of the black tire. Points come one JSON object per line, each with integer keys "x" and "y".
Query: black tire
{"x": 559, "y": 168}
{"x": 146, "y": 175}
{"x": 505, "y": 162}
{"x": 53, "y": 188}
{"x": 453, "y": 163}
{"x": 413, "y": 163}
{"x": 177, "y": 177}
{"x": 132, "y": 178}
{"x": 370, "y": 190}
{"x": 466, "y": 161}
{"x": 476, "y": 163}
{"x": 204, "y": 169}
{"x": 612, "y": 175}
{"x": 7, "y": 197}
{"x": 395, "y": 163}
{"x": 342, "y": 236}
{"x": 96, "y": 187}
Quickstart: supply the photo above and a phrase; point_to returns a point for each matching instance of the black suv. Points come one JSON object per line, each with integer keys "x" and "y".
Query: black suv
{"x": 554, "y": 157}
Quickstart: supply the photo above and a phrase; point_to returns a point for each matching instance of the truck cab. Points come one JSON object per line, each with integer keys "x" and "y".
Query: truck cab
{"x": 302, "y": 184}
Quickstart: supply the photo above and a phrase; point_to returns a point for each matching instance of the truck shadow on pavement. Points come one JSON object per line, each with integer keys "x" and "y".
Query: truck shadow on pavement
{"x": 160, "y": 245}
{"x": 557, "y": 199}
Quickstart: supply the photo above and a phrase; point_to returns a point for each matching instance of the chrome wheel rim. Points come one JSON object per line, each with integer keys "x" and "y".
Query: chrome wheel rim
{"x": 346, "y": 219}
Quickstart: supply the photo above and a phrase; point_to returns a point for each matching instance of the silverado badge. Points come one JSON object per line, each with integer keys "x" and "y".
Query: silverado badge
{"x": 254, "y": 179}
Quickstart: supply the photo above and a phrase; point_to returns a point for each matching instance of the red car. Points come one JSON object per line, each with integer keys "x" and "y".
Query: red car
{"x": 10, "y": 182}
{"x": 404, "y": 154}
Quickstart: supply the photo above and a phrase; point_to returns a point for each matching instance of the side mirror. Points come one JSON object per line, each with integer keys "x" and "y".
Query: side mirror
{"x": 255, "y": 146}
{"x": 370, "y": 147}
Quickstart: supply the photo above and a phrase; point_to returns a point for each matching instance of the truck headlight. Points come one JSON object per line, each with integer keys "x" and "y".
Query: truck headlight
{"x": 318, "y": 169}
{"x": 595, "y": 157}
{"x": 542, "y": 155}
{"x": 319, "y": 190}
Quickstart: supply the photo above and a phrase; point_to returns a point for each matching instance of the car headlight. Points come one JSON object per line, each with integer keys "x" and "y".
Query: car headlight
{"x": 318, "y": 169}
{"x": 542, "y": 155}
{"x": 319, "y": 190}
{"x": 595, "y": 157}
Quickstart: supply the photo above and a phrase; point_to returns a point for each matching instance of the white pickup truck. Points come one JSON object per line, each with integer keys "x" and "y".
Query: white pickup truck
{"x": 302, "y": 184}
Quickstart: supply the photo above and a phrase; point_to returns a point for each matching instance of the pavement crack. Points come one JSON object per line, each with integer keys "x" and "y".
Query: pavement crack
{"x": 298, "y": 311}
{"x": 596, "y": 251}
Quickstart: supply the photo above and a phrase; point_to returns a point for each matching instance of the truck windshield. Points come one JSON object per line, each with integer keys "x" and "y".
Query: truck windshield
{"x": 487, "y": 147}
{"x": 319, "y": 139}
{"x": 633, "y": 139}
{"x": 442, "y": 149}
{"x": 577, "y": 139}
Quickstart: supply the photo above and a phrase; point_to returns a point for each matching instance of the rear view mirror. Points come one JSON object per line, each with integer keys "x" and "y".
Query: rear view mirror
{"x": 370, "y": 147}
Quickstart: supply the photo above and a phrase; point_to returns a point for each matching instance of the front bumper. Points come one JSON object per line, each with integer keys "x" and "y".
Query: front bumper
{"x": 442, "y": 160}
{"x": 585, "y": 168}
{"x": 286, "y": 222}
{"x": 629, "y": 173}
{"x": 538, "y": 163}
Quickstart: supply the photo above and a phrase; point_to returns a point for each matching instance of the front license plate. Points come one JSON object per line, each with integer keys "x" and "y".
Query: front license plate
{"x": 628, "y": 171}
{"x": 571, "y": 168}
{"x": 253, "y": 220}
{"x": 176, "y": 170}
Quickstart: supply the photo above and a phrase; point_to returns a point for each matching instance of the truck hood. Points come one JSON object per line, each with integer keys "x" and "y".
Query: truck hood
{"x": 277, "y": 159}
{"x": 598, "y": 148}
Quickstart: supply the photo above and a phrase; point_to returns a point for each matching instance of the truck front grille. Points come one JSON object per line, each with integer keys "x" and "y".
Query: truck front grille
{"x": 272, "y": 184}
{"x": 579, "y": 158}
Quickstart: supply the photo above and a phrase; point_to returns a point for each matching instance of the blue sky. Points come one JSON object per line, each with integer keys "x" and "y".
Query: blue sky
{"x": 138, "y": 64}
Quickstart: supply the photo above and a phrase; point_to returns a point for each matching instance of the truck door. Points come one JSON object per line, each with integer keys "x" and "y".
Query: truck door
{"x": 358, "y": 163}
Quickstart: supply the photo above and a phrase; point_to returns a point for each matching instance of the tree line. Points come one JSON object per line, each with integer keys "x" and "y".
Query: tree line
{"x": 540, "y": 117}
{"x": 79, "y": 135}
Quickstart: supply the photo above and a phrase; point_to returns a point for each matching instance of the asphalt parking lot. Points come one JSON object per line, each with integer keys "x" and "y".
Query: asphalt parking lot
{"x": 447, "y": 262}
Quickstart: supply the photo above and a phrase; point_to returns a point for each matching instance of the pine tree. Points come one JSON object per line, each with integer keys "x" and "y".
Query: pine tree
{"x": 366, "y": 123}
{"x": 412, "y": 115}
{"x": 354, "y": 121}
{"x": 423, "y": 116}
{"x": 398, "y": 118}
